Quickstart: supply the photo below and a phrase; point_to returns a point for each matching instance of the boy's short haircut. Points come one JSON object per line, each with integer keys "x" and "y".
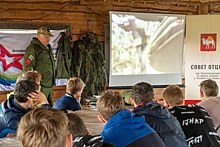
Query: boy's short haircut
{"x": 33, "y": 76}
{"x": 23, "y": 88}
{"x": 74, "y": 84}
{"x": 76, "y": 125}
{"x": 210, "y": 88}
{"x": 174, "y": 95}
{"x": 142, "y": 91}
{"x": 110, "y": 103}
{"x": 43, "y": 127}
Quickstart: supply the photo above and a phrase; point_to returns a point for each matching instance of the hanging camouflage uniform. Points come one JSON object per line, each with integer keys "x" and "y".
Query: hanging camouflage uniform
{"x": 64, "y": 56}
{"x": 89, "y": 63}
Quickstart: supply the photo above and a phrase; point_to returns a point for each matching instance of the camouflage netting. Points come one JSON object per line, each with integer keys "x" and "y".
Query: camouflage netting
{"x": 89, "y": 64}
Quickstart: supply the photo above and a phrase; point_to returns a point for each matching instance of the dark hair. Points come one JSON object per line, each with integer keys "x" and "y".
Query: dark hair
{"x": 76, "y": 125}
{"x": 142, "y": 91}
{"x": 23, "y": 88}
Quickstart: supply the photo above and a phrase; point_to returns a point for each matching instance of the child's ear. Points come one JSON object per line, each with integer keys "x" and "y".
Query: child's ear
{"x": 201, "y": 93}
{"x": 69, "y": 140}
{"x": 154, "y": 99}
{"x": 166, "y": 103}
{"x": 100, "y": 117}
{"x": 131, "y": 100}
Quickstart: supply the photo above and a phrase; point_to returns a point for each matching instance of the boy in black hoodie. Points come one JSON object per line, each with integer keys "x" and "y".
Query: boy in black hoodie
{"x": 195, "y": 121}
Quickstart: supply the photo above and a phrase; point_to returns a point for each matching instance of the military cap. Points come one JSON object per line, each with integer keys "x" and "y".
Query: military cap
{"x": 45, "y": 31}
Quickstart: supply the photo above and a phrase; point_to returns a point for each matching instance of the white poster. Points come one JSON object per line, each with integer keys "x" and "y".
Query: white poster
{"x": 202, "y": 60}
{"x": 12, "y": 48}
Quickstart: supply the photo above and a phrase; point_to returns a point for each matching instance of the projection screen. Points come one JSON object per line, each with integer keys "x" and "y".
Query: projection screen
{"x": 146, "y": 47}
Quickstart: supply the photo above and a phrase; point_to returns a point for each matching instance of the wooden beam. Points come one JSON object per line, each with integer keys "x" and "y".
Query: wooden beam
{"x": 37, "y": 1}
{"x": 203, "y": 9}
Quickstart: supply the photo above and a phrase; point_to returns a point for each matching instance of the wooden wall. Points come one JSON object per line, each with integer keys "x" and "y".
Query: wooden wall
{"x": 92, "y": 15}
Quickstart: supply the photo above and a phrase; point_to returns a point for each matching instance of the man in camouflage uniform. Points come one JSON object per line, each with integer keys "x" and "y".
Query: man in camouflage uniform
{"x": 38, "y": 56}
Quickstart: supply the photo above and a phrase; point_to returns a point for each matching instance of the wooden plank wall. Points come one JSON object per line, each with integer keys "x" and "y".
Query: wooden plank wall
{"x": 93, "y": 15}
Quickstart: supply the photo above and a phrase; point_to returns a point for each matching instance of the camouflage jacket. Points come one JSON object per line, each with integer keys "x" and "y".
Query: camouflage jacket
{"x": 64, "y": 57}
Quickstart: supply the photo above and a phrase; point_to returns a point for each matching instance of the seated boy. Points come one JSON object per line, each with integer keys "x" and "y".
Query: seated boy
{"x": 26, "y": 97}
{"x": 122, "y": 127}
{"x": 194, "y": 120}
{"x": 71, "y": 100}
{"x": 80, "y": 134}
{"x": 44, "y": 127}
{"x": 157, "y": 116}
{"x": 10, "y": 105}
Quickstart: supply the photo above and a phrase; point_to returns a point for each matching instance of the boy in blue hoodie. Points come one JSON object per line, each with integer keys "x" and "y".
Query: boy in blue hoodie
{"x": 122, "y": 127}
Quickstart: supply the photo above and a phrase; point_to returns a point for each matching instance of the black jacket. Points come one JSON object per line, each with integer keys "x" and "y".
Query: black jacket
{"x": 151, "y": 140}
{"x": 90, "y": 141}
{"x": 96, "y": 141}
{"x": 197, "y": 126}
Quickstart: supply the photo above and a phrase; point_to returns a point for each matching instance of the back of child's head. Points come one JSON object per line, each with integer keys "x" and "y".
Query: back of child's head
{"x": 142, "y": 91}
{"x": 33, "y": 76}
{"x": 23, "y": 88}
{"x": 174, "y": 95}
{"x": 209, "y": 87}
{"x": 45, "y": 127}
{"x": 76, "y": 125}
{"x": 110, "y": 103}
{"x": 74, "y": 84}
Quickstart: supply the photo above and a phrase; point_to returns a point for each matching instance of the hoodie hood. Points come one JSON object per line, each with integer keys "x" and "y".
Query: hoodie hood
{"x": 153, "y": 109}
{"x": 124, "y": 128}
{"x": 11, "y": 105}
{"x": 11, "y": 113}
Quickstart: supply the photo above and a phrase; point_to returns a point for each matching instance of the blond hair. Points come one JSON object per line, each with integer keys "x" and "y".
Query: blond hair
{"x": 110, "y": 103}
{"x": 74, "y": 84}
{"x": 173, "y": 95}
{"x": 209, "y": 87}
{"x": 43, "y": 127}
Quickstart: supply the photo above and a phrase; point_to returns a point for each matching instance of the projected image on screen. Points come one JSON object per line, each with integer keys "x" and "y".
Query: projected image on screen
{"x": 146, "y": 43}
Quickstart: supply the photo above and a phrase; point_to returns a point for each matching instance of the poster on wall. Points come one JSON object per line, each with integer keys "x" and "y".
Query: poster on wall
{"x": 201, "y": 53}
{"x": 12, "y": 48}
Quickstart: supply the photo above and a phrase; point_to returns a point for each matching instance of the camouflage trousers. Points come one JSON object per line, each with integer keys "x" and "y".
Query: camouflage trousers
{"x": 48, "y": 92}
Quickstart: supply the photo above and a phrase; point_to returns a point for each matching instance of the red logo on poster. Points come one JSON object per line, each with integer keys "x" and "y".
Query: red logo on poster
{"x": 5, "y": 54}
{"x": 208, "y": 42}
